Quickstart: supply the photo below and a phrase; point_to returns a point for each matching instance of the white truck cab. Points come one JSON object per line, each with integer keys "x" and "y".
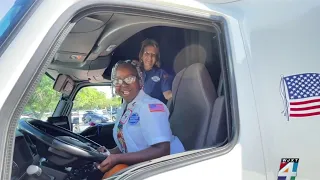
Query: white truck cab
{"x": 246, "y": 88}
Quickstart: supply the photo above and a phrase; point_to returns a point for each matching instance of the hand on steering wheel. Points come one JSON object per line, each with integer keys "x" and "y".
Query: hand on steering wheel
{"x": 108, "y": 163}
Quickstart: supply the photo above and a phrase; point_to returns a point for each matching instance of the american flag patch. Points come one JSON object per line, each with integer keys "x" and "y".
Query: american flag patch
{"x": 156, "y": 107}
{"x": 302, "y": 95}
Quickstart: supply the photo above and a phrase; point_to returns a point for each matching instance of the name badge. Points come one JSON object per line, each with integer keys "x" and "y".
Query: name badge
{"x": 134, "y": 119}
{"x": 125, "y": 116}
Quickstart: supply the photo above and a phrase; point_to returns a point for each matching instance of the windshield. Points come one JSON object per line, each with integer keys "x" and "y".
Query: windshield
{"x": 11, "y": 12}
{"x": 43, "y": 101}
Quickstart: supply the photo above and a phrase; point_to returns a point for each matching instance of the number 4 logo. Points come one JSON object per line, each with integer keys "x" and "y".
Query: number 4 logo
{"x": 288, "y": 169}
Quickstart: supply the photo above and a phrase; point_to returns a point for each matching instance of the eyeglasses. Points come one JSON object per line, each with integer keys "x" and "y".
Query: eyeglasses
{"x": 128, "y": 80}
{"x": 149, "y": 54}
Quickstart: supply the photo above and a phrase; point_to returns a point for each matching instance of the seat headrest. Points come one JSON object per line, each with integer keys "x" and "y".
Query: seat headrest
{"x": 190, "y": 54}
{"x": 193, "y": 98}
{"x": 195, "y": 77}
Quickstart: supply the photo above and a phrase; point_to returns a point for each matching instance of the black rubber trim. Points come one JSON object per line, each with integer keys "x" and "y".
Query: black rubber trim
{"x": 25, "y": 127}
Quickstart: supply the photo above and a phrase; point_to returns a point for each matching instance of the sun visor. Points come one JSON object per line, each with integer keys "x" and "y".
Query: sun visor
{"x": 80, "y": 40}
{"x": 95, "y": 73}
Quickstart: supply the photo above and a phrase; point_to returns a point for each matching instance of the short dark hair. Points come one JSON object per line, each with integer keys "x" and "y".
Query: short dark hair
{"x": 150, "y": 42}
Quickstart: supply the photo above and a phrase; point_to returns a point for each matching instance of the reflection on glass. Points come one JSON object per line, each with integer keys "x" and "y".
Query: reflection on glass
{"x": 11, "y": 12}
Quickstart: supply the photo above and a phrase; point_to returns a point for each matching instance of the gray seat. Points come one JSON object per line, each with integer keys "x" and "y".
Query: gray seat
{"x": 193, "y": 100}
{"x": 217, "y": 132}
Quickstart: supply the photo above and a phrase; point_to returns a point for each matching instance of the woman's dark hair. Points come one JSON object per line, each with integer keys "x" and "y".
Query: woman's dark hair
{"x": 150, "y": 42}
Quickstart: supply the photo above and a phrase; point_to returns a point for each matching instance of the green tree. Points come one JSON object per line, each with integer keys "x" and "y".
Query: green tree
{"x": 114, "y": 102}
{"x": 90, "y": 98}
{"x": 44, "y": 99}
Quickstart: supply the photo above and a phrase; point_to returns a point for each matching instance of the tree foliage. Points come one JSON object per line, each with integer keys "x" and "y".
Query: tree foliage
{"x": 44, "y": 99}
{"x": 114, "y": 102}
{"x": 90, "y": 98}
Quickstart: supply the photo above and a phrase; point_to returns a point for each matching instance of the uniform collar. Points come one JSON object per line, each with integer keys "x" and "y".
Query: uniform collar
{"x": 151, "y": 70}
{"x": 137, "y": 98}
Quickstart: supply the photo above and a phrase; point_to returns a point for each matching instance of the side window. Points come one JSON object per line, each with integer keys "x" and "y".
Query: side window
{"x": 43, "y": 101}
{"x": 94, "y": 105}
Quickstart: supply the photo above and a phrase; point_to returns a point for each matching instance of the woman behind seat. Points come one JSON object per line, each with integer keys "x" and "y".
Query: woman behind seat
{"x": 157, "y": 82}
{"x": 142, "y": 130}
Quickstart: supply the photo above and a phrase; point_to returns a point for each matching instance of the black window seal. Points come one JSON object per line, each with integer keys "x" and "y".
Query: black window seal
{"x": 49, "y": 76}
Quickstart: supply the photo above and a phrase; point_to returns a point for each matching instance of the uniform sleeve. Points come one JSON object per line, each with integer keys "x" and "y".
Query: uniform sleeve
{"x": 155, "y": 125}
{"x": 166, "y": 81}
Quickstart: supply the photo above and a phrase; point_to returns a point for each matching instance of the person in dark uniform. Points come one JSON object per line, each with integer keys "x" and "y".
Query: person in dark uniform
{"x": 157, "y": 82}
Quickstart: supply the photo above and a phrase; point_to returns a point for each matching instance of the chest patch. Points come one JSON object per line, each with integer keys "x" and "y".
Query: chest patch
{"x": 134, "y": 119}
{"x": 155, "y": 78}
{"x": 126, "y": 116}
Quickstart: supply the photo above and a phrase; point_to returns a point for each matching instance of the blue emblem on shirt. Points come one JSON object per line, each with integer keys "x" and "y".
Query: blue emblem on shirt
{"x": 155, "y": 78}
{"x": 134, "y": 119}
{"x": 156, "y": 82}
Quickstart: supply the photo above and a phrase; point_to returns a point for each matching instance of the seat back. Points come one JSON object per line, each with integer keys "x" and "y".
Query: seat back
{"x": 170, "y": 105}
{"x": 218, "y": 129}
{"x": 62, "y": 121}
{"x": 217, "y": 132}
{"x": 192, "y": 101}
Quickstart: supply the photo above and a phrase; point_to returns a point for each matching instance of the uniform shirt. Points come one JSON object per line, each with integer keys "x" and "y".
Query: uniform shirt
{"x": 157, "y": 81}
{"x": 143, "y": 123}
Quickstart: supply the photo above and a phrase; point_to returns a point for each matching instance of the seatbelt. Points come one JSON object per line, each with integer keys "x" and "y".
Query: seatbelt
{"x": 124, "y": 109}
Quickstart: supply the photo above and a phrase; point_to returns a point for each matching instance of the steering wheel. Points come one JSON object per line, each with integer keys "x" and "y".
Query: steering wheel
{"x": 70, "y": 143}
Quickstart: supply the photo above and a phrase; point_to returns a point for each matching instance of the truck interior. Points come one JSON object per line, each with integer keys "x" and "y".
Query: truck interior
{"x": 191, "y": 51}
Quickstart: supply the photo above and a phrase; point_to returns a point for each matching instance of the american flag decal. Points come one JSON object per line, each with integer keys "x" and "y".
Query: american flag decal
{"x": 301, "y": 95}
{"x": 156, "y": 108}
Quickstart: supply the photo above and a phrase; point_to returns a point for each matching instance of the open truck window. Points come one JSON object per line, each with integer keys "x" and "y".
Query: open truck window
{"x": 81, "y": 64}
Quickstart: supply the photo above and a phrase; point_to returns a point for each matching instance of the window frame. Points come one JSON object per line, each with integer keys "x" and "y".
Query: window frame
{"x": 193, "y": 157}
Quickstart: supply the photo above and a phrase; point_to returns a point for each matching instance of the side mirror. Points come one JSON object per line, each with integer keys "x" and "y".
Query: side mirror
{"x": 64, "y": 84}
